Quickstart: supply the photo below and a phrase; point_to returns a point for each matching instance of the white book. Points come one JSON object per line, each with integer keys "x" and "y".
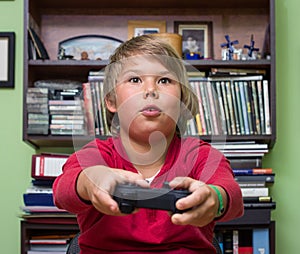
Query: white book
{"x": 255, "y": 192}
{"x": 267, "y": 107}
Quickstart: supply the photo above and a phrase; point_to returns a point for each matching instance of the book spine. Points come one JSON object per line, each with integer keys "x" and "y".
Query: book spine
{"x": 256, "y": 110}
{"x": 200, "y": 119}
{"x": 252, "y": 171}
{"x": 267, "y": 107}
{"x": 88, "y": 105}
{"x": 261, "y": 241}
{"x": 239, "y": 107}
{"x": 248, "y": 106}
{"x": 261, "y": 107}
{"x": 221, "y": 106}
{"x": 226, "y": 108}
{"x": 230, "y": 107}
{"x": 212, "y": 107}
{"x": 205, "y": 107}
{"x": 255, "y": 192}
{"x": 244, "y": 108}
{"x": 235, "y": 109}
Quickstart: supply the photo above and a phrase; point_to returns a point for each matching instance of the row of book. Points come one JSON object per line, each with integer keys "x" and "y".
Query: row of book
{"x": 244, "y": 241}
{"x": 231, "y": 106}
{"x": 227, "y": 106}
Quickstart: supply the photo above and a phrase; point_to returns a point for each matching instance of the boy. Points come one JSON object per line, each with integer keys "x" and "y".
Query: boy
{"x": 148, "y": 101}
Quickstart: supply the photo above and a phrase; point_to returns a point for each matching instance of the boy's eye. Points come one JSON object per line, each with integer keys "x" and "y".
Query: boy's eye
{"x": 165, "y": 81}
{"x": 135, "y": 80}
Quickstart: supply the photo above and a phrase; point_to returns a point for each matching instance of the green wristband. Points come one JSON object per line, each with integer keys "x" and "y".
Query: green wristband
{"x": 221, "y": 205}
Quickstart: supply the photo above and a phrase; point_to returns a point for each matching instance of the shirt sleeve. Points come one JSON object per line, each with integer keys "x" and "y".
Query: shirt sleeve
{"x": 213, "y": 167}
{"x": 64, "y": 186}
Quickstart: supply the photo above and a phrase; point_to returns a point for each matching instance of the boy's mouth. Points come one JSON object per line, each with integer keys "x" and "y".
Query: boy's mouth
{"x": 151, "y": 110}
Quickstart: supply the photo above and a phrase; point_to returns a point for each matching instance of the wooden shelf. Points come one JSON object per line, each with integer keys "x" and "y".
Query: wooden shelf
{"x": 79, "y": 16}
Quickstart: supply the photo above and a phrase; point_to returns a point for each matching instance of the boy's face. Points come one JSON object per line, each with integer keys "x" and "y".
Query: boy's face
{"x": 147, "y": 98}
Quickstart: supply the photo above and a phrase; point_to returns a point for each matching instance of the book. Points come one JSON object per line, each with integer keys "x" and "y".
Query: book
{"x": 226, "y": 107}
{"x": 236, "y": 71}
{"x": 260, "y": 205}
{"x": 261, "y": 106}
{"x": 47, "y": 166}
{"x": 267, "y": 107}
{"x": 235, "y": 241}
{"x": 255, "y": 106}
{"x": 221, "y": 108}
{"x": 252, "y": 171}
{"x": 38, "y": 199}
{"x": 263, "y": 199}
{"x": 260, "y": 239}
{"x": 88, "y": 106}
{"x": 269, "y": 178}
{"x": 245, "y": 162}
{"x": 41, "y": 52}
{"x": 255, "y": 192}
{"x": 251, "y": 217}
{"x": 230, "y": 108}
{"x": 244, "y": 107}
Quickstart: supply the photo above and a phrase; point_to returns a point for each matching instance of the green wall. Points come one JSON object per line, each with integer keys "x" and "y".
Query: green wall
{"x": 15, "y": 154}
{"x": 286, "y": 153}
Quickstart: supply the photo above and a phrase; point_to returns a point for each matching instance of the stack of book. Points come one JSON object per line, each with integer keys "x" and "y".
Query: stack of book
{"x": 37, "y": 109}
{"x": 50, "y": 244}
{"x": 242, "y": 150}
{"x": 38, "y": 198}
{"x": 255, "y": 184}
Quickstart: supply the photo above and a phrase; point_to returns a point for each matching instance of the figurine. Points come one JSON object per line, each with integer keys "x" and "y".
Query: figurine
{"x": 84, "y": 55}
{"x": 251, "y": 48}
{"x": 230, "y": 49}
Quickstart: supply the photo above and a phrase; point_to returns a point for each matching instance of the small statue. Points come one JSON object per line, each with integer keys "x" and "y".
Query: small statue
{"x": 84, "y": 55}
{"x": 229, "y": 44}
{"x": 61, "y": 53}
{"x": 251, "y": 48}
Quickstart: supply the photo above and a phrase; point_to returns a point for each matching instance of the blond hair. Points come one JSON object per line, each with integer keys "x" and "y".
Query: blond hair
{"x": 163, "y": 52}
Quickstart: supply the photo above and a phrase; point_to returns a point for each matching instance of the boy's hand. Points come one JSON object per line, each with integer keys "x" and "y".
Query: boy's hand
{"x": 203, "y": 201}
{"x": 96, "y": 184}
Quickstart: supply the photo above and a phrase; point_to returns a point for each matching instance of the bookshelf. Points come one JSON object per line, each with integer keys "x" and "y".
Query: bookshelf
{"x": 31, "y": 230}
{"x": 59, "y": 20}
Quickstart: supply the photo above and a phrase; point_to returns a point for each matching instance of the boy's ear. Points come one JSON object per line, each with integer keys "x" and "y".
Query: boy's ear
{"x": 111, "y": 103}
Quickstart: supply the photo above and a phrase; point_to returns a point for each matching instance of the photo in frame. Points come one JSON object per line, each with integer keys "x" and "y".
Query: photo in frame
{"x": 7, "y": 59}
{"x": 196, "y": 37}
{"x": 141, "y": 27}
{"x": 91, "y": 47}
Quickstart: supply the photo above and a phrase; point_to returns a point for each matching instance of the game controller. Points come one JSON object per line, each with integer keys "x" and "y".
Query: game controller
{"x": 130, "y": 196}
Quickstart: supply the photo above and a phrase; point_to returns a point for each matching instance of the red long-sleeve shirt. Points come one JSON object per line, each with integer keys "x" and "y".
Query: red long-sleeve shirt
{"x": 147, "y": 230}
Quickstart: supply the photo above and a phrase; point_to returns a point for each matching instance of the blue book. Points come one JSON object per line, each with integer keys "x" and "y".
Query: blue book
{"x": 38, "y": 199}
{"x": 261, "y": 241}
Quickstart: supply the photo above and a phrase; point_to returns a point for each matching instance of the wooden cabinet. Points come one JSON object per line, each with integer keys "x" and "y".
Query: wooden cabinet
{"x": 31, "y": 230}
{"x": 59, "y": 20}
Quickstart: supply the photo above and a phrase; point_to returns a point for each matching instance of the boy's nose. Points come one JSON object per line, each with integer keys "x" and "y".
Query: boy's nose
{"x": 150, "y": 90}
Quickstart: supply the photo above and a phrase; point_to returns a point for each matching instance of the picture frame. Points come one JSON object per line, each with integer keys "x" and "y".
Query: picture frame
{"x": 196, "y": 35}
{"x": 96, "y": 47}
{"x": 7, "y": 59}
{"x": 140, "y": 27}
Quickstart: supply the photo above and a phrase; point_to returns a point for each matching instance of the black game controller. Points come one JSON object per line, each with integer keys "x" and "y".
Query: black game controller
{"x": 130, "y": 196}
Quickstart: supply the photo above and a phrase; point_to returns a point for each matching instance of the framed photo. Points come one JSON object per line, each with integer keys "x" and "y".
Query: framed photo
{"x": 140, "y": 27}
{"x": 7, "y": 59}
{"x": 88, "y": 47}
{"x": 196, "y": 37}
